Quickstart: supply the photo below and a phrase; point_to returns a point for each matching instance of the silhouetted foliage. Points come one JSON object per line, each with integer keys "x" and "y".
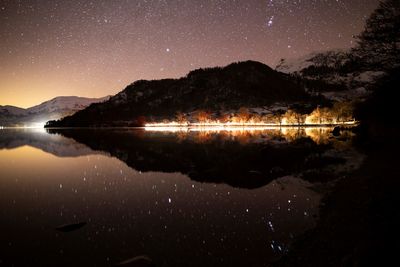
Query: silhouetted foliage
{"x": 379, "y": 113}
{"x": 379, "y": 42}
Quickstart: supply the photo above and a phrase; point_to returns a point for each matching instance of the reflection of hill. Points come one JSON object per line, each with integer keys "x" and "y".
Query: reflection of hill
{"x": 54, "y": 144}
{"x": 214, "y": 159}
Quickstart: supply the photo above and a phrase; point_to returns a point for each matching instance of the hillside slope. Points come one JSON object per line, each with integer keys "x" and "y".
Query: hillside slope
{"x": 337, "y": 74}
{"x": 250, "y": 84}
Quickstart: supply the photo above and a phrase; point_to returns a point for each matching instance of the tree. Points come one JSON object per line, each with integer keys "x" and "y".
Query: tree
{"x": 224, "y": 118}
{"x": 293, "y": 118}
{"x": 244, "y": 114}
{"x": 300, "y": 118}
{"x": 315, "y": 117}
{"x": 202, "y": 116}
{"x": 181, "y": 117}
{"x": 270, "y": 118}
{"x": 290, "y": 117}
{"x": 379, "y": 43}
{"x": 278, "y": 115}
{"x": 257, "y": 118}
{"x": 342, "y": 111}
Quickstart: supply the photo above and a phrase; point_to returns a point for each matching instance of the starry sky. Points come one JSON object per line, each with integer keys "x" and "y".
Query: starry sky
{"x": 52, "y": 48}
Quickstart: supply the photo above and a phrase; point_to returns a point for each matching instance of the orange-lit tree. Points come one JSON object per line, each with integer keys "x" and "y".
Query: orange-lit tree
{"x": 224, "y": 118}
{"x": 181, "y": 117}
{"x": 244, "y": 114}
{"x": 202, "y": 116}
{"x": 290, "y": 117}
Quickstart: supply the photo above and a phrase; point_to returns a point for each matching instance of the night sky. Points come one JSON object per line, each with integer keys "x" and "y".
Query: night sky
{"x": 50, "y": 48}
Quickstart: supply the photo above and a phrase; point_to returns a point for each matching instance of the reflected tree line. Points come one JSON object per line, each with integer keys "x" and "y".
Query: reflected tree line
{"x": 240, "y": 159}
{"x": 319, "y": 135}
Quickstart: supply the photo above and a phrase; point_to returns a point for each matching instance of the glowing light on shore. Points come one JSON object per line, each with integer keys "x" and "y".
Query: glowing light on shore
{"x": 34, "y": 125}
{"x": 40, "y": 124}
{"x": 230, "y": 126}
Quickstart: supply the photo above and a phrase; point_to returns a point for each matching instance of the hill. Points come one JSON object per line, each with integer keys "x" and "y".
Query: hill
{"x": 337, "y": 74}
{"x": 250, "y": 84}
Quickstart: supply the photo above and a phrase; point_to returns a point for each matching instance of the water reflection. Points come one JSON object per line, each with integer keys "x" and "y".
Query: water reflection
{"x": 320, "y": 135}
{"x": 247, "y": 159}
{"x": 142, "y": 193}
{"x": 39, "y": 138}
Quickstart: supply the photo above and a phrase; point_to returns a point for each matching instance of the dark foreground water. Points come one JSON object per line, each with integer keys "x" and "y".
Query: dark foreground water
{"x": 171, "y": 198}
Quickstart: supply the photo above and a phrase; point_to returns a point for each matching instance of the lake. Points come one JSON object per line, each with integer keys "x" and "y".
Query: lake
{"x": 177, "y": 198}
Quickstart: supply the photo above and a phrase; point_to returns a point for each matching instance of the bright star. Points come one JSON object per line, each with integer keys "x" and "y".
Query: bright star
{"x": 270, "y": 21}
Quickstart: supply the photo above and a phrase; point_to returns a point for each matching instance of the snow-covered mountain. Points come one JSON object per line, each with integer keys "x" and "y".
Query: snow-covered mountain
{"x": 345, "y": 77}
{"x": 64, "y": 103}
{"x": 16, "y": 111}
{"x": 55, "y": 108}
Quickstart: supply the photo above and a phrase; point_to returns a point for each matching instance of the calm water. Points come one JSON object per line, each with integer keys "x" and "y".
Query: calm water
{"x": 180, "y": 198}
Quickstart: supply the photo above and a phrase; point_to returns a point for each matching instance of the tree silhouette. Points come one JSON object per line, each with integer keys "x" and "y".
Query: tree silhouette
{"x": 342, "y": 111}
{"x": 379, "y": 42}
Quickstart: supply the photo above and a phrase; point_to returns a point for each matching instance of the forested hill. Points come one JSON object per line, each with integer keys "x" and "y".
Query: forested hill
{"x": 243, "y": 84}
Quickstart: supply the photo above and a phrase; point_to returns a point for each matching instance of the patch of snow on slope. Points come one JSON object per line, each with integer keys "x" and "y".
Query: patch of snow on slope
{"x": 347, "y": 95}
{"x": 368, "y": 76}
{"x": 294, "y": 65}
{"x": 332, "y": 59}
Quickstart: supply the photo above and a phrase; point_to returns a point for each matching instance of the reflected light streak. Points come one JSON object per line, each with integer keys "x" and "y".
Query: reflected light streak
{"x": 208, "y": 128}
{"x": 319, "y": 134}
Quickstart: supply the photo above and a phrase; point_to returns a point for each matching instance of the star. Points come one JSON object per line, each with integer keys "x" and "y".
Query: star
{"x": 270, "y": 21}
{"x": 102, "y": 45}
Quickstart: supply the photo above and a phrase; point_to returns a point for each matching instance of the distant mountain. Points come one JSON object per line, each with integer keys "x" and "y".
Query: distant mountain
{"x": 15, "y": 111}
{"x": 65, "y": 104}
{"x": 55, "y": 108}
{"x": 249, "y": 84}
